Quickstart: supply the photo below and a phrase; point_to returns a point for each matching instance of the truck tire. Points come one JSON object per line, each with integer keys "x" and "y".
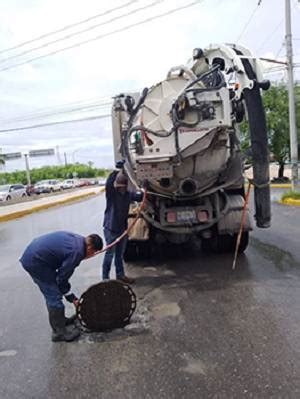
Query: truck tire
{"x": 137, "y": 250}
{"x": 225, "y": 243}
{"x": 130, "y": 254}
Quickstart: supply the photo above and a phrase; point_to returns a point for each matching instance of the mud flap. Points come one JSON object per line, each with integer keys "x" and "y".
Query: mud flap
{"x": 230, "y": 223}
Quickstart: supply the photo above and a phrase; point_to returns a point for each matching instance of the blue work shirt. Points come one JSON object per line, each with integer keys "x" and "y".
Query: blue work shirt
{"x": 52, "y": 258}
{"x": 117, "y": 205}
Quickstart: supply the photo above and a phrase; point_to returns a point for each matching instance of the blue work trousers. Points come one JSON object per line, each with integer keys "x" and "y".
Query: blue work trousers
{"x": 117, "y": 252}
{"x": 50, "y": 291}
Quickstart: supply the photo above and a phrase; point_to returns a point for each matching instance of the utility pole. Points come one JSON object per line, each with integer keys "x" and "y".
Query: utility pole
{"x": 2, "y": 160}
{"x": 65, "y": 155}
{"x": 292, "y": 117}
{"x": 27, "y": 169}
{"x": 58, "y": 155}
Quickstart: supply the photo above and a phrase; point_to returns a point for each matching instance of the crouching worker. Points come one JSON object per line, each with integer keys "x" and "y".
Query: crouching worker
{"x": 51, "y": 260}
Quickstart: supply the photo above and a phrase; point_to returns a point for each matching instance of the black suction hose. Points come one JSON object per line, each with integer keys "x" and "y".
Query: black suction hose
{"x": 259, "y": 146}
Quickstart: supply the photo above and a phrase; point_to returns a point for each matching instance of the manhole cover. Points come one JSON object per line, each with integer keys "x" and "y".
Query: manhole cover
{"x": 106, "y": 305}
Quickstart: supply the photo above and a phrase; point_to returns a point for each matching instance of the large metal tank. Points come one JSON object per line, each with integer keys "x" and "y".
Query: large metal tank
{"x": 181, "y": 138}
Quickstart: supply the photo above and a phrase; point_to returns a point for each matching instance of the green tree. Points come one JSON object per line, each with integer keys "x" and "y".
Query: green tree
{"x": 52, "y": 172}
{"x": 277, "y": 116}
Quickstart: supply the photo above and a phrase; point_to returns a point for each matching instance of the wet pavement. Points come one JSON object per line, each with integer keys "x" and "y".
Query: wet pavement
{"x": 200, "y": 330}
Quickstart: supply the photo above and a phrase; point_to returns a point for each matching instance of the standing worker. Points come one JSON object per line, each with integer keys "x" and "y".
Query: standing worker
{"x": 118, "y": 199}
{"x": 51, "y": 260}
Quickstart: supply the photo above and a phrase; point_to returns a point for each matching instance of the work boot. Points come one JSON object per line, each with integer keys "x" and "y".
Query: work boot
{"x": 127, "y": 280}
{"x": 61, "y": 332}
{"x": 70, "y": 320}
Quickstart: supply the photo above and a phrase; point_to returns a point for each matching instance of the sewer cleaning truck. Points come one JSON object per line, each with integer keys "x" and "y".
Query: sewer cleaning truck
{"x": 180, "y": 140}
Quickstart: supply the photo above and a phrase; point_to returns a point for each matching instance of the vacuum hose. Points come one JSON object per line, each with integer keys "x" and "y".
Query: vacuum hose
{"x": 259, "y": 145}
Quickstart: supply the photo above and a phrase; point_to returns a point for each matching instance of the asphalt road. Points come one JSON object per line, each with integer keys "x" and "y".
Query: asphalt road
{"x": 201, "y": 330}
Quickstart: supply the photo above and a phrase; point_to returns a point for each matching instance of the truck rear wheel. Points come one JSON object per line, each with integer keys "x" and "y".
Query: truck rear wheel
{"x": 136, "y": 250}
{"x": 225, "y": 243}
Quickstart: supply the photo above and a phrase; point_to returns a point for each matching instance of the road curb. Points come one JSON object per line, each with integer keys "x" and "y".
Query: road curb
{"x": 290, "y": 201}
{"x": 278, "y": 185}
{"x": 37, "y": 208}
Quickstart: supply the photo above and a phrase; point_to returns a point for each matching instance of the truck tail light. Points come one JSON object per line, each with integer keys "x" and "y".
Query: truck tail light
{"x": 171, "y": 217}
{"x": 202, "y": 216}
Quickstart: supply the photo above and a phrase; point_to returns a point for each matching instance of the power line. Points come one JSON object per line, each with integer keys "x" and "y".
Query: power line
{"x": 63, "y": 107}
{"x": 273, "y": 70}
{"x": 88, "y": 108}
{"x": 279, "y": 51}
{"x": 270, "y": 35}
{"x": 54, "y": 123}
{"x": 70, "y": 35}
{"x": 70, "y": 26}
{"x": 174, "y": 10}
{"x": 52, "y": 110}
{"x": 248, "y": 22}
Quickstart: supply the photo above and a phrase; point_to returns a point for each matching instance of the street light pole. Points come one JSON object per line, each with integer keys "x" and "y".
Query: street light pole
{"x": 292, "y": 117}
{"x": 27, "y": 169}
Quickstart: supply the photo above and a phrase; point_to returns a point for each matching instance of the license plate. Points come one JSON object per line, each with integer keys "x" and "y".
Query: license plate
{"x": 186, "y": 216}
{"x": 154, "y": 171}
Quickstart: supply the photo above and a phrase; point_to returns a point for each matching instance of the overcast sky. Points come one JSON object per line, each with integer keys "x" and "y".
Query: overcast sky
{"x": 90, "y": 74}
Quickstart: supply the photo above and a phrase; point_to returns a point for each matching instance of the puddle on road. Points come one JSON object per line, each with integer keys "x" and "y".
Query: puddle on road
{"x": 140, "y": 324}
{"x": 281, "y": 259}
{"x": 8, "y": 353}
{"x": 166, "y": 310}
{"x": 194, "y": 365}
{"x": 150, "y": 311}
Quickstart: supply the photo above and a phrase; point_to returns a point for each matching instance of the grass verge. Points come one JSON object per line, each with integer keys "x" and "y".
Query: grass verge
{"x": 291, "y": 194}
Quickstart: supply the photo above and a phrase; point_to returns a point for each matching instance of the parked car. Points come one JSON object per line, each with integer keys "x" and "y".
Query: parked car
{"x": 12, "y": 191}
{"x": 68, "y": 183}
{"x": 47, "y": 186}
{"x": 83, "y": 183}
{"x": 101, "y": 182}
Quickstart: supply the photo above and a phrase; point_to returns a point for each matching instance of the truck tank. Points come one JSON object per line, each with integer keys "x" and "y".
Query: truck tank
{"x": 180, "y": 139}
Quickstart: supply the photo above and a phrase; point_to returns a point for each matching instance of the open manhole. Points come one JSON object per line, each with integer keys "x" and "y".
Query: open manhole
{"x": 106, "y": 306}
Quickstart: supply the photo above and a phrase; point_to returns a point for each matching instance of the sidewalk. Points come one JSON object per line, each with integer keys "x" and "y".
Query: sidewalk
{"x": 14, "y": 211}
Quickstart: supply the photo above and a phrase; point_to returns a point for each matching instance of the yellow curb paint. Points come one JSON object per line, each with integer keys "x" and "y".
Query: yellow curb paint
{"x": 275, "y": 185}
{"x": 290, "y": 201}
{"x": 37, "y": 208}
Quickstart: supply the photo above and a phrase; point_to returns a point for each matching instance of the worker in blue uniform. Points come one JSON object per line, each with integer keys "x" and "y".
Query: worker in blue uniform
{"x": 118, "y": 199}
{"x": 51, "y": 260}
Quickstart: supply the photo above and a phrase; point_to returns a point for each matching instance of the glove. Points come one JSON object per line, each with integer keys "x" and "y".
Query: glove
{"x": 120, "y": 164}
{"x": 64, "y": 287}
{"x": 71, "y": 298}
